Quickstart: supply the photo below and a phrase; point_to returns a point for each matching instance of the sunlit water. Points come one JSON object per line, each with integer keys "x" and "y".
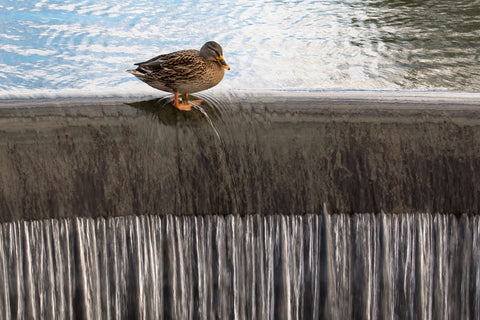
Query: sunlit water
{"x": 83, "y": 47}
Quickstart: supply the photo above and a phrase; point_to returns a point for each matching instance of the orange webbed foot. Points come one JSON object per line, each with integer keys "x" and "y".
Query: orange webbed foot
{"x": 184, "y": 107}
{"x": 196, "y": 102}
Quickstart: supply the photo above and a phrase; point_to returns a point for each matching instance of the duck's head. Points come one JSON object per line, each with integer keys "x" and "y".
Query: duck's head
{"x": 212, "y": 51}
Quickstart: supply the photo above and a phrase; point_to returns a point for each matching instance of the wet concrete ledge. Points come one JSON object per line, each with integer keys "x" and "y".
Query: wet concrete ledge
{"x": 274, "y": 153}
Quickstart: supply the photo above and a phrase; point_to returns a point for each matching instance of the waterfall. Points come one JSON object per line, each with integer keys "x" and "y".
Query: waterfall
{"x": 330, "y": 266}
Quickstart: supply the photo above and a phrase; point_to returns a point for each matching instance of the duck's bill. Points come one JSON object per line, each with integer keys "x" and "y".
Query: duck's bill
{"x": 222, "y": 62}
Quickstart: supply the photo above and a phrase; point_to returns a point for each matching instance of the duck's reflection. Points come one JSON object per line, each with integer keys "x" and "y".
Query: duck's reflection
{"x": 164, "y": 111}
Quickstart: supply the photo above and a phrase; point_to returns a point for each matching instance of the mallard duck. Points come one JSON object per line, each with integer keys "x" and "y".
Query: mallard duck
{"x": 184, "y": 72}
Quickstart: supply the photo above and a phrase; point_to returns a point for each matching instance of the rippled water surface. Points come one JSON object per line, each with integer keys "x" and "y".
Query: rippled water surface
{"x": 85, "y": 46}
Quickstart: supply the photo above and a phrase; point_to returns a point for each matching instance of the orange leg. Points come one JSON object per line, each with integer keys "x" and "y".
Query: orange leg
{"x": 182, "y": 106}
{"x": 195, "y": 102}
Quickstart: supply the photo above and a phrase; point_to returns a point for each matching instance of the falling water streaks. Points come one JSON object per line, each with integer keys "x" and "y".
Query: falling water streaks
{"x": 222, "y": 166}
{"x": 199, "y": 108}
{"x": 369, "y": 266}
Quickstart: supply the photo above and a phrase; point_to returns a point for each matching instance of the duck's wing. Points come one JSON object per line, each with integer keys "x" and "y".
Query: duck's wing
{"x": 180, "y": 62}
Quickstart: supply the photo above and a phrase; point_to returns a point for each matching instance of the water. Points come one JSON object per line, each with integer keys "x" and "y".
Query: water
{"x": 126, "y": 208}
{"x": 383, "y": 266}
{"x": 279, "y": 153}
{"x": 199, "y": 108}
{"x": 83, "y": 47}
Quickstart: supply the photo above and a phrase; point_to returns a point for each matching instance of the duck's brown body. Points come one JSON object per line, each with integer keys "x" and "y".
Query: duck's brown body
{"x": 184, "y": 72}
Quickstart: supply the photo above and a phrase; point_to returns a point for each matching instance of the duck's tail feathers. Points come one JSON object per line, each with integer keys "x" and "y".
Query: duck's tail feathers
{"x": 137, "y": 73}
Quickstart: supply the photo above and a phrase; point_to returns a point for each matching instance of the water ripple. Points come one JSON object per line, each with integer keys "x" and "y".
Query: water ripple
{"x": 87, "y": 45}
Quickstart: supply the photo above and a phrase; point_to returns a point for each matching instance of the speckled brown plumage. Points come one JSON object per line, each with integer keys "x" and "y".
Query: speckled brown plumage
{"x": 184, "y": 71}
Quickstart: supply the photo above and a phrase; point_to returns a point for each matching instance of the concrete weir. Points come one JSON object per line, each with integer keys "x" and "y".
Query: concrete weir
{"x": 245, "y": 153}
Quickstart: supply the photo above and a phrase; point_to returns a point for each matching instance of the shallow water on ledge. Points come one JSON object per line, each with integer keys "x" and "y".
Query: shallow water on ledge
{"x": 276, "y": 153}
{"x": 385, "y": 266}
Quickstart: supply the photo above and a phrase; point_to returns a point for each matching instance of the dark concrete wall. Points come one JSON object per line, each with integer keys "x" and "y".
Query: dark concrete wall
{"x": 274, "y": 154}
